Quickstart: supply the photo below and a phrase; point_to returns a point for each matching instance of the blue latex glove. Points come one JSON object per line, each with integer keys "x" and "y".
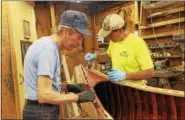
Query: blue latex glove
{"x": 90, "y": 56}
{"x": 116, "y": 75}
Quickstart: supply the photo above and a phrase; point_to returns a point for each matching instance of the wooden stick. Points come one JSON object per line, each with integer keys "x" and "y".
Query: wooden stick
{"x": 171, "y": 33}
{"x": 166, "y": 12}
{"x": 159, "y": 5}
{"x": 52, "y": 13}
{"x": 163, "y": 23}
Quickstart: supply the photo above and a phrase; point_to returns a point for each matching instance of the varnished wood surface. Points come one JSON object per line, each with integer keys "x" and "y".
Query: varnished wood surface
{"x": 132, "y": 101}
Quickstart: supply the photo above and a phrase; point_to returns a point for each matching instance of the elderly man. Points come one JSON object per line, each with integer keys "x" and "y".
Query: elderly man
{"x": 129, "y": 54}
{"x": 42, "y": 70}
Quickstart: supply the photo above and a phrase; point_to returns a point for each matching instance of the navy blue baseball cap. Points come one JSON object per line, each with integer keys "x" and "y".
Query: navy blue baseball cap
{"x": 75, "y": 19}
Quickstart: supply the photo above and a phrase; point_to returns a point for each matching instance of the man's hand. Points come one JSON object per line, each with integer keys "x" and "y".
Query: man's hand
{"x": 90, "y": 56}
{"x": 84, "y": 86}
{"x": 116, "y": 75}
{"x": 75, "y": 88}
{"x": 86, "y": 96}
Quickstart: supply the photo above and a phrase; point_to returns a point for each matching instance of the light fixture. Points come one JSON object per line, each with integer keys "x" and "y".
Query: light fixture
{"x": 78, "y": 1}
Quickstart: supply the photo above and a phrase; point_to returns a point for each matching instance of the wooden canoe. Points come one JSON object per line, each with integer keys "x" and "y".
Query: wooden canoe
{"x": 124, "y": 100}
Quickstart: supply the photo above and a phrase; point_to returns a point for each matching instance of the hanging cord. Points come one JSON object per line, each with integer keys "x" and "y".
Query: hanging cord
{"x": 163, "y": 49}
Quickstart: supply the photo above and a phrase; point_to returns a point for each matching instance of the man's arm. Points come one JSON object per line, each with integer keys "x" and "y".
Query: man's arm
{"x": 143, "y": 74}
{"x": 47, "y": 95}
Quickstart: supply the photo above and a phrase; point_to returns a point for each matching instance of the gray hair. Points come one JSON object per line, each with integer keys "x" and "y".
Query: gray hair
{"x": 61, "y": 27}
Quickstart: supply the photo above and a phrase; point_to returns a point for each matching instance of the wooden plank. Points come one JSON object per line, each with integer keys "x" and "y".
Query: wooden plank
{"x": 52, "y": 15}
{"x": 144, "y": 88}
{"x": 170, "y": 57}
{"x": 166, "y": 12}
{"x": 136, "y": 12}
{"x": 10, "y": 100}
{"x": 66, "y": 70}
{"x": 163, "y": 23}
{"x": 158, "y": 5}
{"x": 89, "y": 109}
{"x": 107, "y": 115}
{"x": 141, "y": 13}
{"x": 171, "y": 33}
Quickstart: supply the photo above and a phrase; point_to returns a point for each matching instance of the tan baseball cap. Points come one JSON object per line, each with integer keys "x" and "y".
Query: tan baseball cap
{"x": 111, "y": 22}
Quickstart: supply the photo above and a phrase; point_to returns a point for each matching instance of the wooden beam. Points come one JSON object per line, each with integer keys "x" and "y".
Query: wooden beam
{"x": 141, "y": 13}
{"x": 167, "y": 22}
{"x": 136, "y": 12}
{"x": 52, "y": 14}
{"x": 66, "y": 70}
{"x": 170, "y": 57}
{"x": 158, "y": 5}
{"x": 166, "y": 12}
{"x": 163, "y": 34}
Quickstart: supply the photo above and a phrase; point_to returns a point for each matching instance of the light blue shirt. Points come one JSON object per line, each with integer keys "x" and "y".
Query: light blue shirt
{"x": 42, "y": 58}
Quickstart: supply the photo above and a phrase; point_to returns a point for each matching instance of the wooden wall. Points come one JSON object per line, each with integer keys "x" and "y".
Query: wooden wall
{"x": 10, "y": 104}
{"x": 43, "y": 19}
{"x": 12, "y": 57}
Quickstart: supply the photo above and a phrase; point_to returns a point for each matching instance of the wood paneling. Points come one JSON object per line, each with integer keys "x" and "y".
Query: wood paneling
{"x": 10, "y": 107}
{"x": 43, "y": 21}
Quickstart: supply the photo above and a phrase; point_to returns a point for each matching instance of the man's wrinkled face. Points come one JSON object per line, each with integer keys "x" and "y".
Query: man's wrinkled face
{"x": 73, "y": 40}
